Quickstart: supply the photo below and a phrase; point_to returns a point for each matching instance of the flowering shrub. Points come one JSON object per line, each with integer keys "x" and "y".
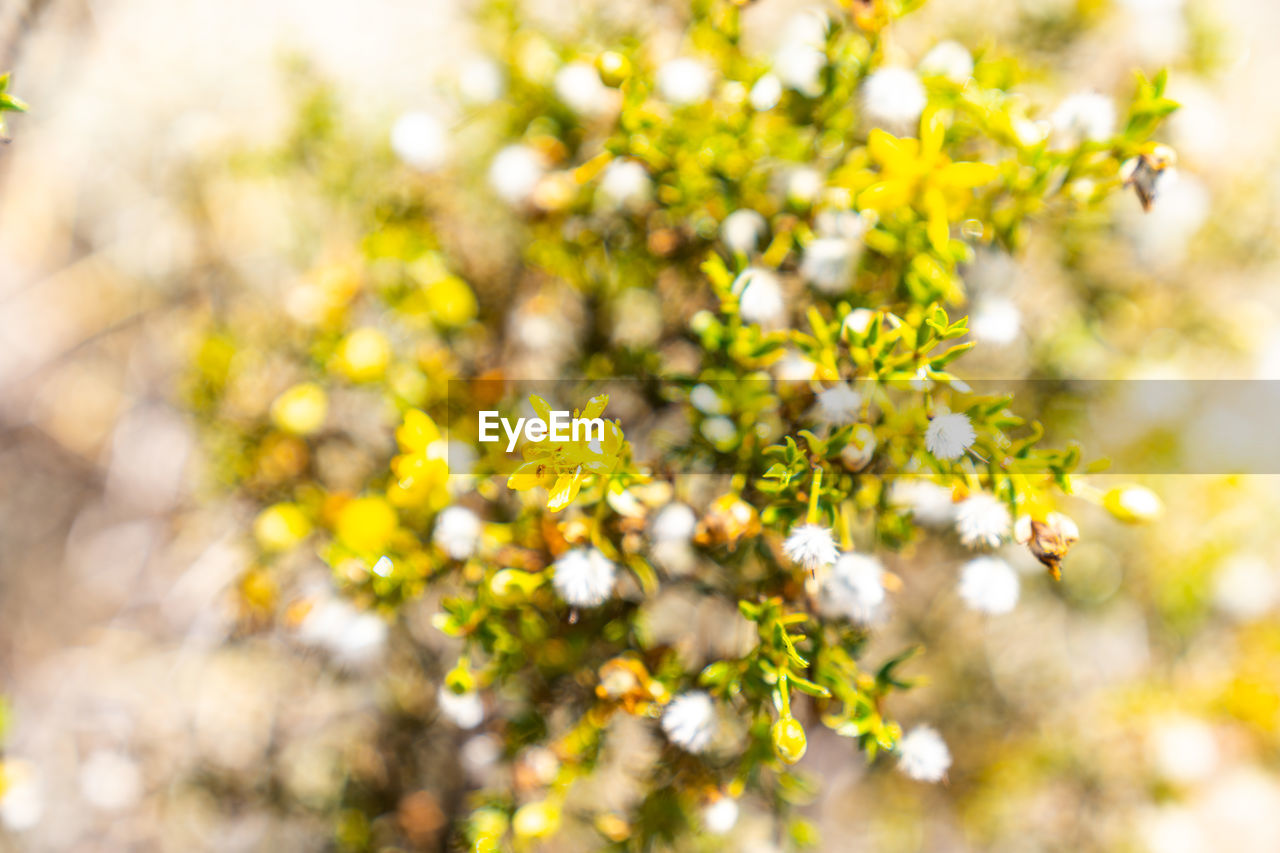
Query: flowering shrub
{"x": 772, "y": 252}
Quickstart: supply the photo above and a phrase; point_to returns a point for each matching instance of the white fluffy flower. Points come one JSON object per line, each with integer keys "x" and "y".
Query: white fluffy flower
{"x": 1163, "y": 236}
{"x": 675, "y": 522}
{"x": 1184, "y": 749}
{"x": 808, "y": 27}
{"x": 811, "y": 546}
{"x": 989, "y": 585}
{"x": 110, "y": 781}
{"x": 803, "y": 185}
{"x": 464, "y": 710}
{"x": 948, "y": 59}
{"x": 766, "y": 93}
{"x": 363, "y": 641}
{"x": 457, "y": 532}
{"x": 354, "y": 638}
{"x": 480, "y": 755}
{"x": 719, "y": 430}
{"x": 996, "y": 321}
{"x": 827, "y": 264}
{"x": 420, "y": 141}
{"x": 853, "y": 589}
{"x": 689, "y": 720}
{"x": 923, "y": 755}
{"x": 705, "y": 399}
{"x": 579, "y": 87}
{"x": 930, "y": 503}
{"x": 1246, "y": 588}
{"x": 893, "y": 98}
{"x": 799, "y": 67}
{"x": 1031, "y": 133}
{"x": 949, "y": 435}
{"x": 839, "y": 405}
{"x": 982, "y": 519}
{"x": 720, "y": 815}
{"x": 22, "y": 800}
{"x": 759, "y": 296}
{"x": 515, "y": 172}
{"x": 840, "y": 223}
{"x": 584, "y": 577}
{"x": 742, "y": 231}
{"x": 684, "y": 81}
{"x": 794, "y": 367}
{"x": 481, "y": 81}
{"x": 1083, "y": 117}
{"x": 859, "y": 320}
{"x": 625, "y": 182}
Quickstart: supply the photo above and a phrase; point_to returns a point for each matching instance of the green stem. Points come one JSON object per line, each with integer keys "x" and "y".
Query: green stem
{"x": 845, "y": 526}
{"x": 814, "y": 488}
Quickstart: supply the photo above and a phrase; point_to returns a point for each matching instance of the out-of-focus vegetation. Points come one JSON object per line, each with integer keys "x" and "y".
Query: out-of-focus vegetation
{"x": 806, "y": 573}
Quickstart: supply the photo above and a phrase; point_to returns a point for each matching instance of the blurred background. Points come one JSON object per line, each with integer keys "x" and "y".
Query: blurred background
{"x": 1136, "y": 708}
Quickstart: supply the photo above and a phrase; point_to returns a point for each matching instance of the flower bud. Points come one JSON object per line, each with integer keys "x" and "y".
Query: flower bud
{"x": 536, "y": 820}
{"x": 789, "y": 741}
{"x": 280, "y": 527}
{"x": 301, "y": 409}
{"x": 363, "y": 355}
{"x": 510, "y": 586}
{"x": 1133, "y": 503}
{"x": 613, "y": 67}
{"x": 459, "y": 679}
{"x": 857, "y": 454}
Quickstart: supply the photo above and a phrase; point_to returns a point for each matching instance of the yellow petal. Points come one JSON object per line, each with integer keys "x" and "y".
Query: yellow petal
{"x": 935, "y": 205}
{"x": 612, "y": 439}
{"x": 932, "y": 131}
{"x": 417, "y": 431}
{"x": 885, "y": 196}
{"x": 564, "y": 491}
{"x": 541, "y": 407}
{"x": 525, "y": 477}
{"x": 894, "y": 154}
{"x": 967, "y": 175}
{"x": 595, "y": 406}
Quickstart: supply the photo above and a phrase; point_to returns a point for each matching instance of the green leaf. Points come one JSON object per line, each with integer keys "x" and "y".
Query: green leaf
{"x": 941, "y": 361}
{"x": 886, "y": 677}
{"x": 807, "y": 686}
{"x": 817, "y": 446}
{"x": 790, "y": 646}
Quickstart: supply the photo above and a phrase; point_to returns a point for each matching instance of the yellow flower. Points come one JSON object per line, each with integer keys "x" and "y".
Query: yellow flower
{"x": 915, "y": 172}
{"x": 280, "y": 527}
{"x": 563, "y": 466}
{"x": 364, "y": 355}
{"x": 536, "y": 820}
{"x": 366, "y": 524}
{"x": 301, "y": 409}
{"x": 451, "y": 302}
{"x": 422, "y": 471}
